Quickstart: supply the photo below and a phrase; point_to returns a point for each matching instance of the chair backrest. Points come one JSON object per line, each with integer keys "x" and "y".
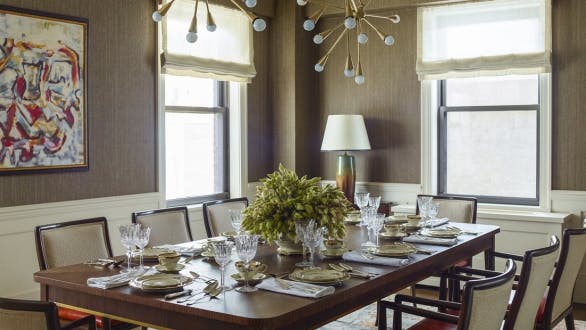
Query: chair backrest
{"x": 538, "y": 265}
{"x": 455, "y": 208}
{"x": 28, "y": 315}
{"x": 216, "y": 216}
{"x": 561, "y": 289}
{"x": 485, "y": 301}
{"x": 168, "y": 226}
{"x": 72, "y": 242}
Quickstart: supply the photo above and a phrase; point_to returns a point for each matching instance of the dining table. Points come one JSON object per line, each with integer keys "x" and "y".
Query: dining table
{"x": 262, "y": 309}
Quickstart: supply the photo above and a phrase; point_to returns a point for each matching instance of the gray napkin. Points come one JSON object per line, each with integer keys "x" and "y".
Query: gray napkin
{"x": 356, "y": 256}
{"x": 430, "y": 240}
{"x": 297, "y": 288}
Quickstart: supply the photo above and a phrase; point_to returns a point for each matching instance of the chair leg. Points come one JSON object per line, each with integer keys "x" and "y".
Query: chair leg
{"x": 414, "y": 293}
{"x": 381, "y": 316}
{"x": 378, "y": 306}
{"x": 570, "y": 321}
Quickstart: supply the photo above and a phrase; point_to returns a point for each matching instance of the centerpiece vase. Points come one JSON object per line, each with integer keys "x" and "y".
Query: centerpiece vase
{"x": 289, "y": 247}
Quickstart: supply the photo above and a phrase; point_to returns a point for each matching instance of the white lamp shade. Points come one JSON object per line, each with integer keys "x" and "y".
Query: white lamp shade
{"x": 345, "y": 132}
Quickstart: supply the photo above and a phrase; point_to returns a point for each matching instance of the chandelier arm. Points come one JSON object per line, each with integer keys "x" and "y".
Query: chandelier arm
{"x": 193, "y": 25}
{"x": 325, "y": 3}
{"x": 354, "y": 6}
{"x": 250, "y": 15}
{"x": 335, "y": 44}
{"x": 394, "y": 18}
{"x": 378, "y": 31}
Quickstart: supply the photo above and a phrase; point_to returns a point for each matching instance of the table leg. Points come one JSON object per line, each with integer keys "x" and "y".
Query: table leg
{"x": 489, "y": 255}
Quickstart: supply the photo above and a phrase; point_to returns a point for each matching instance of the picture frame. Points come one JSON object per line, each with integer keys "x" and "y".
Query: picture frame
{"x": 43, "y": 92}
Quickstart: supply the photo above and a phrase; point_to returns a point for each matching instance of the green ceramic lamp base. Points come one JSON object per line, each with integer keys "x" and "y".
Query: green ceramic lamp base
{"x": 346, "y": 175}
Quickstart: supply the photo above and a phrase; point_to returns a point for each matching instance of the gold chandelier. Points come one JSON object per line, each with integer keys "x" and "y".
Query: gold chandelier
{"x": 355, "y": 18}
{"x": 258, "y": 24}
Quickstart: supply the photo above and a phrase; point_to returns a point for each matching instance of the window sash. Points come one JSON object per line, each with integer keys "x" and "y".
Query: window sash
{"x": 442, "y": 148}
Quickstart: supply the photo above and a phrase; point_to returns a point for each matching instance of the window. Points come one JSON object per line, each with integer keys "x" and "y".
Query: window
{"x": 488, "y": 138}
{"x": 196, "y": 127}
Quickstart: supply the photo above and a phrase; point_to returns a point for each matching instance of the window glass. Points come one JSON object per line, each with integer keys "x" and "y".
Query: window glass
{"x": 189, "y": 91}
{"x": 499, "y": 90}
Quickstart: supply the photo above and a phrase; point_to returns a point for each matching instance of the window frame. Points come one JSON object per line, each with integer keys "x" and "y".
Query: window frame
{"x": 442, "y": 130}
{"x": 221, "y": 106}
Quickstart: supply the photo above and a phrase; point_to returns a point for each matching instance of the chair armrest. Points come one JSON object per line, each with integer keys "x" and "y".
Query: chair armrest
{"x": 507, "y": 255}
{"x": 425, "y": 301}
{"x": 474, "y": 271}
{"x": 397, "y": 307}
{"x": 90, "y": 320}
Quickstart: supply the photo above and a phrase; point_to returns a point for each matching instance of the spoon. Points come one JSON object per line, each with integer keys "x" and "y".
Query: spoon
{"x": 207, "y": 289}
{"x": 213, "y": 293}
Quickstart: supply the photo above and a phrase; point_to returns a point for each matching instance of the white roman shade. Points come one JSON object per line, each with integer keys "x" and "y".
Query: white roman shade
{"x": 225, "y": 54}
{"x": 495, "y": 37}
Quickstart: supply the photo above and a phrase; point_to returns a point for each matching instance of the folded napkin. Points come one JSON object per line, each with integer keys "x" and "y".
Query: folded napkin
{"x": 296, "y": 288}
{"x": 438, "y": 222}
{"x": 108, "y": 282}
{"x": 356, "y": 256}
{"x": 430, "y": 240}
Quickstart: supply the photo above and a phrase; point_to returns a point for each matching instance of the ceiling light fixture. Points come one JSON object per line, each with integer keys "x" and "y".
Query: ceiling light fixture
{"x": 258, "y": 24}
{"x": 355, "y": 18}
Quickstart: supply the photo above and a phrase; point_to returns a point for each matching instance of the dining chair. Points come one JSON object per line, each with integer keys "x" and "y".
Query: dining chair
{"x": 37, "y": 315}
{"x": 74, "y": 242}
{"x": 557, "y": 304}
{"x": 216, "y": 216}
{"x": 530, "y": 286}
{"x": 483, "y": 306}
{"x": 168, "y": 226}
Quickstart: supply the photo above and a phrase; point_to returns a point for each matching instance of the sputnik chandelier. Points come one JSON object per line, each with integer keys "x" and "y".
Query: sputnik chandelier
{"x": 355, "y": 19}
{"x": 258, "y": 24}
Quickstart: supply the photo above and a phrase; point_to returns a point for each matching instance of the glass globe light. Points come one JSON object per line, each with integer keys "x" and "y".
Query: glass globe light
{"x": 389, "y": 40}
{"x": 359, "y": 79}
{"x": 362, "y": 38}
{"x": 302, "y": 2}
{"x": 191, "y": 37}
{"x": 259, "y": 25}
{"x": 349, "y": 73}
{"x": 309, "y": 25}
{"x": 211, "y": 27}
{"x": 157, "y": 17}
{"x": 318, "y": 67}
{"x": 350, "y": 22}
{"x": 318, "y": 39}
{"x": 250, "y": 3}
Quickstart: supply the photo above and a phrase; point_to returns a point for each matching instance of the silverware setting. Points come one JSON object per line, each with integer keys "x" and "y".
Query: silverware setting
{"x": 207, "y": 289}
{"x": 210, "y": 294}
{"x": 287, "y": 285}
{"x": 353, "y": 273}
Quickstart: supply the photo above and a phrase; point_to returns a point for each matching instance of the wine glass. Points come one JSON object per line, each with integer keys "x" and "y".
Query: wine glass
{"x": 246, "y": 249}
{"x": 127, "y": 234}
{"x": 423, "y": 204}
{"x": 141, "y": 240}
{"x": 312, "y": 237}
{"x": 236, "y": 219}
{"x": 299, "y": 229}
{"x": 432, "y": 211}
{"x": 361, "y": 200}
{"x": 374, "y": 201}
{"x": 369, "y": 213}
{"x": 377, "y": 223}
{"x": 222, "y": 255}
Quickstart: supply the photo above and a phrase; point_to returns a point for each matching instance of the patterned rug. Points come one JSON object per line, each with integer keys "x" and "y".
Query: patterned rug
{"x": 363, "y": 319}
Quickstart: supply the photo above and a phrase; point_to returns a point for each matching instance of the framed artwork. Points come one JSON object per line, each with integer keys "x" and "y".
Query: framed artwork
{"x": 43, "y": 91}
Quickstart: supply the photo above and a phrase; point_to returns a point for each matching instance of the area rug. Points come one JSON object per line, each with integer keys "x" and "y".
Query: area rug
{"x": 363, "y": 319}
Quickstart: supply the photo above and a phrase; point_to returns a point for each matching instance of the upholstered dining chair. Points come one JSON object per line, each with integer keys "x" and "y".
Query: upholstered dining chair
{"x": 530, "y": 286}
{"x": 557, "y": 304}
{"x": 74, "y": 242}
{"x": 216, "y": 216}
{"x": 36, "y": 315}
{"x": 483, "y": 306}
{"x": 168, "y": 226}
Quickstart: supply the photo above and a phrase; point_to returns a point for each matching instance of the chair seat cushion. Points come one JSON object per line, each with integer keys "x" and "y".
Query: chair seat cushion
{"x": 430, "y": 324}
{"x": 72, "y": 315}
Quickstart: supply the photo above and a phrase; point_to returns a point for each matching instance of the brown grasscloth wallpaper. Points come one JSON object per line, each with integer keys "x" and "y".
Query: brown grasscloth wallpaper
{"x": 120, "y": 109}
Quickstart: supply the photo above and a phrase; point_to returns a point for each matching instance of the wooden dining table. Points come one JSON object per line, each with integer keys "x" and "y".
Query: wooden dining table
{"x": 261, "y": 309}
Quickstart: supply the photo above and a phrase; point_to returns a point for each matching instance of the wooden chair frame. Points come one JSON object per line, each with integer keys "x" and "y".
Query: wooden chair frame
{"x": 206, "y": 219}
{"x": 182, "y": 209}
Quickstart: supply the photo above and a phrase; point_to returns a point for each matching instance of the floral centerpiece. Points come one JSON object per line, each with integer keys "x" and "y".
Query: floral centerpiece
{"x": 284, "y": 198}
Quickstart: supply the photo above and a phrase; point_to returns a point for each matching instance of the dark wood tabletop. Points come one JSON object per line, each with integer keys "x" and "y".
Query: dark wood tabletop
{"x": 262, "y": 309}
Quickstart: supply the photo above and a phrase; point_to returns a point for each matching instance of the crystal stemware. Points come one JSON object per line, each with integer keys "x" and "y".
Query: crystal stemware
{"x": 377, "y": 223}
{"x": 432, "y": 211}
{"x": 246, "y": 245}
{"x": 361, "y": 200}
{"x": 299, "y": 231}
{"x": 127, "y": 234}
{"x": 222, "y": 255}
{"x": 141, "y": 240}
{"x": 374, "y": 201}
{"x": 312, "y": 236}
{"x": 236, "y": 219}
{"x": 423, "y": 204}
{"x": 369, "y": 213}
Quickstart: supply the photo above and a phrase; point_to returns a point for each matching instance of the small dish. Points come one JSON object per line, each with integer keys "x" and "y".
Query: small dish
{"x": 160, "y": 283}
{"x": 150, "y": 254}
{"x": 397, "y": 250}
{"x": 229, "y": 234}
{"x": 257, "y": 278}
{"x": 398, "y": 235}
{"x": 171, "y": 270}
{"x": 398, "y": 219}
{"x": 207, "y": 254}
{"x": 333, "y": 254}
{"x": 450, "y": 232}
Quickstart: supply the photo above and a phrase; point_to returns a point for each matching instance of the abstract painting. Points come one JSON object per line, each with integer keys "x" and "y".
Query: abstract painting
{"x": 42, "y": 91}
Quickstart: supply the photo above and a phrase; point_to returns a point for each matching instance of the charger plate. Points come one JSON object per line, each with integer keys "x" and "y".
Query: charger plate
{"x": 448, "y": 232}
{"x": 160, "y": 283}
{"x": 396, "y": 250}
{"x": 319, "y": 276}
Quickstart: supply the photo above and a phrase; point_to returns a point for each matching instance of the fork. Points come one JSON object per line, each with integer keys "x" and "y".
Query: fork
{"x": 288, "y": 286}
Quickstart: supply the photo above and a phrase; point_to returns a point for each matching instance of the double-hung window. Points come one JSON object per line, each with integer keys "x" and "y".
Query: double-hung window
{"x": 204, "y": 112}
{"x": 485, "y": 69}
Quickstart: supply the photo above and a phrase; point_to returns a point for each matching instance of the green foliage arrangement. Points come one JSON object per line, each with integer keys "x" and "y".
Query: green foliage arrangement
{"x": 284, "y": 198}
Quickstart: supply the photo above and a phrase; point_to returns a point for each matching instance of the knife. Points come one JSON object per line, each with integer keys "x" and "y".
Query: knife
{"x": 177, "y": 294}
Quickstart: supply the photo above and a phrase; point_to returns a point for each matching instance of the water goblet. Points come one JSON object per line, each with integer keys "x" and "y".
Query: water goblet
{"x": 312, "y": 236}
{"x": 374, "y": 201}
{"x": 236, "y": 219}
{"x": 141, "y": 240}
{"x": 423, "y": 204}
{"x": 377, "y": 223}
{"x": 299, "y": 231}
{"x": 369, "y": 213}
{"x": 127, "y": 234}
{"x": 246, "y": 249}
{"x": 222, "y": 255}
{"x": 432, "y": 211}
{"x": 361, "y": 200}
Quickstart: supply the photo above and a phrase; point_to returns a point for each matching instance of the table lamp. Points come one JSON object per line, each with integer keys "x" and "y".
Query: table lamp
{"x": 345, "y": 133}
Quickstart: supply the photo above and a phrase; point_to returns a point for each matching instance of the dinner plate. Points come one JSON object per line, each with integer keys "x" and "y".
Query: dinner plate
{"x": 393, "y": 236}
{"x": 150, "y": 254}
{"x": 449, "y": 232}
{"x": 257, "y": 278}
{"x": 319, "y": 276}
{"x": 398, "y": 250}
{"x": 160, "y": 283}
{"x": 173, "y": 270}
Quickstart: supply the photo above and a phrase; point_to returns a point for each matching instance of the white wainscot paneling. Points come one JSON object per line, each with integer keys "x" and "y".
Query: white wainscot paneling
{"x": 17, "y": 243}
